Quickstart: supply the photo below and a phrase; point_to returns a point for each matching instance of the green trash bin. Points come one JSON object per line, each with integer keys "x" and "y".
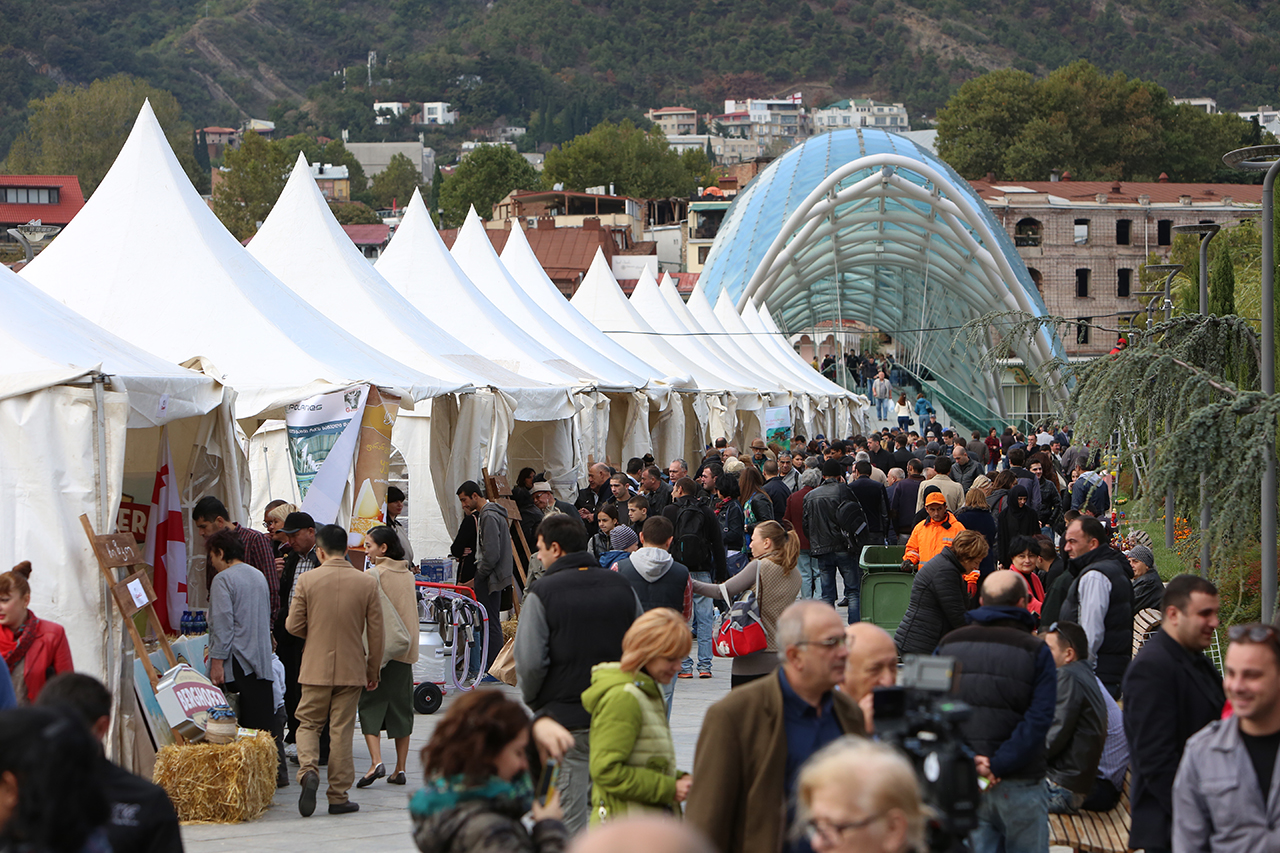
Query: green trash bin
{"x": 885, "y": 596}
{"x": 882, "y": 558}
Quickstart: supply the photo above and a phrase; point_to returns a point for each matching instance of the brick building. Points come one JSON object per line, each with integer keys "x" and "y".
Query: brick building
{"x": 1084, "y": 242}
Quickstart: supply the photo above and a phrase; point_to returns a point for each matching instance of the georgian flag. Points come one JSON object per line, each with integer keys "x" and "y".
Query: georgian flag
{"x": 166, "y": 544}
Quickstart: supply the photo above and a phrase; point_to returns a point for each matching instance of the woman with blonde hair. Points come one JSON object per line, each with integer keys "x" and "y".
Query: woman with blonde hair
{"x": 772, "y": 575}
{"x": 856, "y": 796}
{"x": 633, "y": 759}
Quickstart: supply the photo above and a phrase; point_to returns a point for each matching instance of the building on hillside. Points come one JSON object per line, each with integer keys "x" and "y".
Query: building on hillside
{"x": 674, "y": 121}
{"x": 768, "y": 120}
{"x": 438, "y": 112}
{"x": 565, "y": 254}
{"x": 373, "y": 157}
{"x": 861, "y": 112}
{"x": 1084, "y": 242}
{"x": 1205, "y": 105}
{"x": 51, "y": 199}
{"x": 369, "y": 239}
{"x": 705, "y": 217}
{"x": 1267, "y": 117}
{"x": 472, "y": 144}
{"x": 725, "y": 149}
{"x": 262, "y": 127}
{"x": 333, "y": 181}
{"x": 384, "y": 111}
{"x": 218, "y": 139}
{"x": 621, "y": 216}
{"x": 536, "y": 160}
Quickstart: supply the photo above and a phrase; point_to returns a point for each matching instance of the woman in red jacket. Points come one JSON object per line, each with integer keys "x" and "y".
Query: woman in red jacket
{"x": 35, "y": 650}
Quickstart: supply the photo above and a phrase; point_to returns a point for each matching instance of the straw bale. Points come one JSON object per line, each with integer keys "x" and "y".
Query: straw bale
{"x": 219, "y": 783}
{"x": 508, "y": 630}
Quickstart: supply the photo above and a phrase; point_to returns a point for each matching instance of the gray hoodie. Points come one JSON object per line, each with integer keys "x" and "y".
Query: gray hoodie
{"x": 494, "y": 564}
{"x": 659, "y": 581}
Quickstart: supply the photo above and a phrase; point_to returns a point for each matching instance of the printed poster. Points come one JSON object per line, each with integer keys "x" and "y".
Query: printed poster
{"x": 777, "y": 425}
{"x": 320, "y": 427}
{"x": 373, "y": 460}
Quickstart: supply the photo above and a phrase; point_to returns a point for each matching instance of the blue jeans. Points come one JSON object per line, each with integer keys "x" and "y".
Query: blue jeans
{"x": 904, "y": 423}
{"x": 702, "y": 623}
{"x": 1061, "y": 800}
{"x": 882, "y": 408}
{"x": 1013, "y": 817}
{"x": 847, "y": 563}
{"x": 809, "y": 578}
{"x": 668, "y": 694}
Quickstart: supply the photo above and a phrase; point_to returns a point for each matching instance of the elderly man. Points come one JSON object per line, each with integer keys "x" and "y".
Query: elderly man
{"x": 754, "y": 740}
{"x": 1222, "y": 796}
{"x": 677, "y": 469}
{"x": 789, "y": 472}
{"x": 964, "y": 468}
{"x": 1148, "y": 589}
{"x": 547, "y": 502}
{"x": 872, "y": 663}
{"x": 941, "y": 479}
{"x": 760, "y": 453}
{"x": 594, "y": 496}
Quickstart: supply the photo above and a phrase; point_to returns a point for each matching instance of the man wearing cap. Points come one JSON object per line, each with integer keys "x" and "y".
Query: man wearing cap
{"x": 300, "y": 529}
{"x": 546, "y": 501}
{"x": 1148, "y": 589}
{"x": 933, "y": 428}
{"x": 931, "y": 535}
{"x": 760, "y": 453}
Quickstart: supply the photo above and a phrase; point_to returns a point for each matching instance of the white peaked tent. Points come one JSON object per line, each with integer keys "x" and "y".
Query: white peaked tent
{"x": 475, "y": 255}
{"x": 420, "y": 268}
{"x": 615, "y": 425}
{"x": 303, "y": 244}
{"x": 81, "y": 412}
{"x": 148, "y": 260}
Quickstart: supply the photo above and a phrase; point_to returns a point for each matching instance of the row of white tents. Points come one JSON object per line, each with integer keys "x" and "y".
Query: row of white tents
{"x": 493, "y": 366}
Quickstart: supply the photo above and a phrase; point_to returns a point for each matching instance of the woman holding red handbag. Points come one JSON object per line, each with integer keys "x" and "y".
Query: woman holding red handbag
{"x": 768, "y": 584}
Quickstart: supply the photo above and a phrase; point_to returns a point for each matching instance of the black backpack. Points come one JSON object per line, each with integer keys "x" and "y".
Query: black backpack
{"x": 689, "y": 544}
{"x": 851, "y": 519}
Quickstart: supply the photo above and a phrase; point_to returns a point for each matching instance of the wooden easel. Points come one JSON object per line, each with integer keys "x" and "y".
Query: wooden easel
{"x": 499, "y": 491}
{"x": 120, "y": 550}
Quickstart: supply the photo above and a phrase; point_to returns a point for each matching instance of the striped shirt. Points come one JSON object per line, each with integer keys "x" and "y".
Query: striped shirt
{"x": 1115, "y": 750}
{"x": 259, "y": 554}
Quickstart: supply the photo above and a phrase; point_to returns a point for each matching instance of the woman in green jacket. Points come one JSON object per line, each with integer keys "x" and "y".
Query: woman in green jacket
{"x": 633, "y": 760}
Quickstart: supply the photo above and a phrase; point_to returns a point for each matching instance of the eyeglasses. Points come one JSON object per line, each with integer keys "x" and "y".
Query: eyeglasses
{"x": 1253, "y": 633}
{"x": 828, "y": 644}
{"x": 832, "y": 832}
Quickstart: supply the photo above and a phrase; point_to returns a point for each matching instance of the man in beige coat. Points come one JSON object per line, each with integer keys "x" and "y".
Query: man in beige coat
{"x": 336, "y": 606}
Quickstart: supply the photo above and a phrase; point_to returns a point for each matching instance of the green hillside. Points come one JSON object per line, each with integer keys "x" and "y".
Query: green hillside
{"x": 560, "y": 66}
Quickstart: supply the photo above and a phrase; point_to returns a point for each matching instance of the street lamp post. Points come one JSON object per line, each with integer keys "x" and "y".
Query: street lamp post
{"x": 1206, "y": 232}
{"x": 1256, "y": 159}
{"x": 1171, "y": 270}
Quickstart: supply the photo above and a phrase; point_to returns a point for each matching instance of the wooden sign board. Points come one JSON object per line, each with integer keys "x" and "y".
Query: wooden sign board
{"x": 115, "y": 550}
{"x": 133, "y": 593}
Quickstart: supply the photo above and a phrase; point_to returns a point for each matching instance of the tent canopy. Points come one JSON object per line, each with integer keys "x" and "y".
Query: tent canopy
{"x": 149, "y": 261}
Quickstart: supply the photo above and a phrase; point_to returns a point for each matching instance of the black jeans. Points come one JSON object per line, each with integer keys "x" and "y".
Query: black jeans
{"x": 1102, "y": 798}
{"x": 492, "y": 604}
{"x": 257, "y": 706}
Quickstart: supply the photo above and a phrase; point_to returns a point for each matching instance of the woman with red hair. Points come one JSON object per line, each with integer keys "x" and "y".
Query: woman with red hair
{"x": 34, "y": 649}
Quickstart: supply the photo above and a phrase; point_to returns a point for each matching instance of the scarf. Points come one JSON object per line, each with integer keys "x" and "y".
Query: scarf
{"x": 441, "y": 793}
{"x": 25, "y": 635}
{"x": 722, "y": 505}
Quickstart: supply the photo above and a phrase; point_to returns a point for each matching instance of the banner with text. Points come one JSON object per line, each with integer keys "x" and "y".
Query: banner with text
{"x": 321, "y": 428}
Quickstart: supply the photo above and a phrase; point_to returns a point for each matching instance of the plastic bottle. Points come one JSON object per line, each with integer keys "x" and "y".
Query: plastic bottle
{"x": 186, "y": 622}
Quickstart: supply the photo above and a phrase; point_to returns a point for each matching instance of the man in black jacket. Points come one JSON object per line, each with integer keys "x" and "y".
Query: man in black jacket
{"x": 1007, "y": 676}
{"x": 1100, "y": 600}
{"x": 1079, "y": 730}
{"x": 698, "y": 544}
{"x": 874, "y": 499}
{"x": 830, "y": 545}
{"x": 1171, "y": 691}
{"x": 573, "y": 618}
{"x": 777, "y": 490}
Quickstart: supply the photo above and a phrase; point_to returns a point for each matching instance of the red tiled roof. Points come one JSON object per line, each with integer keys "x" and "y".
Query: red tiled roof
{"x": 71, "y": 199}
{"x": 219, "y": 129}
{"x": 564, "y": 253}
{"x": 685, "y": 281}
{"x": 367, "y": 235}
{"x": 1126, "y": 192}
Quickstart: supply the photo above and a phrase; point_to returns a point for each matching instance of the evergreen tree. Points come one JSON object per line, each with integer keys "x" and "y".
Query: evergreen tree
{"x": 255, "y": 176}
{"x": 1222, "y": 283}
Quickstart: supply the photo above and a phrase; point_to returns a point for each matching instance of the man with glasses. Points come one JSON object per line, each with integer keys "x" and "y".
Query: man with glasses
{"x": 754, "y": 741}
{"x": 1008, "y": 677}
{"x": 1171, "y": 691}
{"x": 1222, "y": 794}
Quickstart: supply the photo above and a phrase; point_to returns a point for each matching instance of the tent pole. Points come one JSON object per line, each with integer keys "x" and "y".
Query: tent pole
{"x": 113, "y": 741}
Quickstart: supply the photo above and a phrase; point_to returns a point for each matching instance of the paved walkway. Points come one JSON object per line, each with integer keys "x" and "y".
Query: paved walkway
{"x": 382, "y": 824}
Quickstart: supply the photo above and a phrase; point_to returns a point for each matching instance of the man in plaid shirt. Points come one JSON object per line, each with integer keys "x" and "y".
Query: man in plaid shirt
{"x": 210, "y": 516}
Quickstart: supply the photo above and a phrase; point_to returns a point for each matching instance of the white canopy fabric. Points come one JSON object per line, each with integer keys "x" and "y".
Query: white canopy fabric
{"x": 475, "y": 255}
{"x": 45, "y": 343}
{"x": 304, "y": 246}
{"x": 149, "y": 261}
{"x": 418, "y": 265}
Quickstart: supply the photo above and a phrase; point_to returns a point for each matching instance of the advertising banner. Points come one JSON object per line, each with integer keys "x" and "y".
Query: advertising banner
{"x": 323, "y": 427}
{"x": 373, "y": 460}
{"x": 777, "y": 425}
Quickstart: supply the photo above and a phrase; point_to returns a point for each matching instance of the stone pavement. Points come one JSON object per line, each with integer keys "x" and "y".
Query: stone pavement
{"x": 383, "y": 819}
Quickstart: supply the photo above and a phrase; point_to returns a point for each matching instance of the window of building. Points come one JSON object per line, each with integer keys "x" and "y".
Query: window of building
{"x": 1164, "y": 232}
{"x": 703, "y": 251}
{"x": 1027, "y": 232}
{"x": 1081, "y": 234}
{"x": 1124, "y": 230}
{"x": 1082, "y": 283}
{"x": 1082, "y": 329}
{"x": 29, "y": 195}
{"x": 1124, "y": 280}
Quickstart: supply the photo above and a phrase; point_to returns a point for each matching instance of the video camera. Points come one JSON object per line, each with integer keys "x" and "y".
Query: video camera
{"x": 920, "y": 718}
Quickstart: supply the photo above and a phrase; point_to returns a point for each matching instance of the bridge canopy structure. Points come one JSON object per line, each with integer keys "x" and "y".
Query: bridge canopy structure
{"x": 867, "y": 226}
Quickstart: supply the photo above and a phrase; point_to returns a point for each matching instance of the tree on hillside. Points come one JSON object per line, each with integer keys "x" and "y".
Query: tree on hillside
{"x": 254, "y": 178}
{"x": 1222, "y": 284}
{"x": 396, "y": 183}
{"x": 354, "y": 213}
{"x": 1079, "y": 120}
{"x": 79, "y": 130}
{"x": 637, "y": 163}
{"x": 483, "y": 178}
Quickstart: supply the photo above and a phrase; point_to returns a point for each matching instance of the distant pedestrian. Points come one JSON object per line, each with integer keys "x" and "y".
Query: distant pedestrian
{"x": 495, "y": 566}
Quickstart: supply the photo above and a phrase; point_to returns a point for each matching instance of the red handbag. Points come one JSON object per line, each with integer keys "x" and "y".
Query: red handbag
{"x": 741, "y": 631}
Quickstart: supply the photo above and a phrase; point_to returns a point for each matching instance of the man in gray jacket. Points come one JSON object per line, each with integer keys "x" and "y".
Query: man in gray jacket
{"x": 1074, "y": 744}
{"x": 494, "y": 565}
{"x": 1224, "y": 797}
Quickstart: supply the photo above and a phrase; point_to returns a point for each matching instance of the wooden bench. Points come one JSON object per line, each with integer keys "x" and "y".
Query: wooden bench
{"x": 1093, "y": 832}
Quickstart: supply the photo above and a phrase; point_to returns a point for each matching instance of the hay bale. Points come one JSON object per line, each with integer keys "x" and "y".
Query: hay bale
{"x": 508, "y": 630}
{"x": 219, "y": 783}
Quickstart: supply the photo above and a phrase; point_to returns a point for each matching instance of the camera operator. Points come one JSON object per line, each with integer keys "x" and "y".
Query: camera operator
{"x": 872, "y": 663}
{"x": 1007, "y": 676}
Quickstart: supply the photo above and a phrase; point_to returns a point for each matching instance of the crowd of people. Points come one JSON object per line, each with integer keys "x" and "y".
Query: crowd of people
{"x": 1018, "y": 579}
